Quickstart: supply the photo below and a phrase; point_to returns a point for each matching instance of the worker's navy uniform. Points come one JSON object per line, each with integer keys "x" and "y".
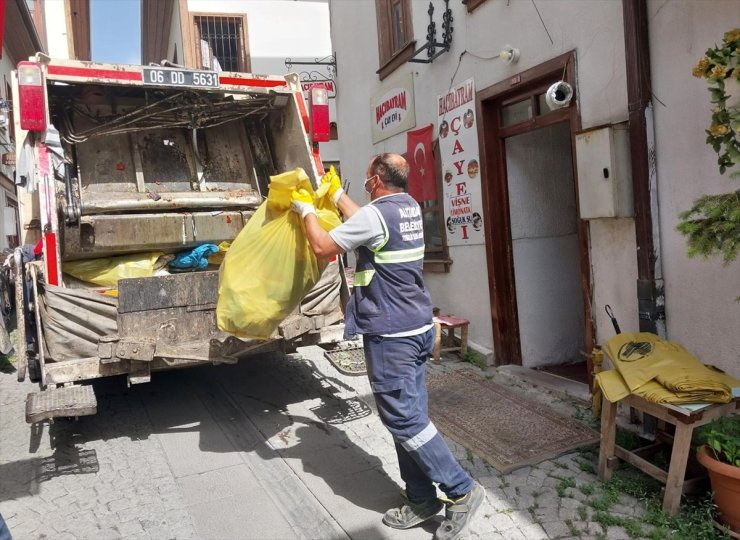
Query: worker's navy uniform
{"x": 390, "y": 298}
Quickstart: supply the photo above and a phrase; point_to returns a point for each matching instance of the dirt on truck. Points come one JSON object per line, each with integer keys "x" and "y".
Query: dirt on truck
{"x": 121, "y": 164}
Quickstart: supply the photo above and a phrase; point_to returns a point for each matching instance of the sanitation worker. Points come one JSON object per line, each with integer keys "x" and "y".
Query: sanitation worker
{"x": 391, "y": 308}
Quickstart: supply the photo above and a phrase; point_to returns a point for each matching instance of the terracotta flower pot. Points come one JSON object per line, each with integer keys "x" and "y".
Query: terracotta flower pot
{"x": 725, "y": 481}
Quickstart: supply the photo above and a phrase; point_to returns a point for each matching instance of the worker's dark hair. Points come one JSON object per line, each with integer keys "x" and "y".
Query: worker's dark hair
{"x": 392, "y": 170}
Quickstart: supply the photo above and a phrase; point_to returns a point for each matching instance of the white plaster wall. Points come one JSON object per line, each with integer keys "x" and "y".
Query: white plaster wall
{"x": 592, "y": 27}
{"x": 56, "y": 28}
{"x": 280, "y": 29}
{"x": 614, "y": 274}
{"x": 702, "y": 311}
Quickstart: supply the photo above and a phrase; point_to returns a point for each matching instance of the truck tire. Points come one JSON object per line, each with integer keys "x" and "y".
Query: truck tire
{"x": 34, "y": 369}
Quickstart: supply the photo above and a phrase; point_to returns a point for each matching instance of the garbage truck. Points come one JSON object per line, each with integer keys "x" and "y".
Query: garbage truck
{"x": 121, "y": 167}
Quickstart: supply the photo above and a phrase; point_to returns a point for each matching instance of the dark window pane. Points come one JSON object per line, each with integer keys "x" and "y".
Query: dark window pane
{"x": 220, "y": 43}
{"x": 516, "y": 113}
{"x": 399, "y": 38}
{"x": 432, "y": 234}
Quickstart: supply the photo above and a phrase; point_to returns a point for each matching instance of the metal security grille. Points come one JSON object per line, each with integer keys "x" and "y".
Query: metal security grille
{"x": 220, "y": 43}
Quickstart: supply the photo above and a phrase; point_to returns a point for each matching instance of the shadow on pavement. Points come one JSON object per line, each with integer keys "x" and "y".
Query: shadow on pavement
{"x": 265, "y": 408}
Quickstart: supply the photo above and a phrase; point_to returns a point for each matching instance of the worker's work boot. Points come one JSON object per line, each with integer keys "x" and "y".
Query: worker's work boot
{"x": 459, "y": 512}
{"x": 410, "y": 514}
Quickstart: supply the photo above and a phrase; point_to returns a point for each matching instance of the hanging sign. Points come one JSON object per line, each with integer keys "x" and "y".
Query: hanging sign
{"x": 392, "y": 109}
{"x": 330, "y": 87}
{"x": 458, "y": 148}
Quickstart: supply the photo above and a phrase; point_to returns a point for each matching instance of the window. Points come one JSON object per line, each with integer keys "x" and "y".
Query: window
{"x": 221, "y": 42}
{"x": 11, "y": 222}
{"x": 436, "y": 253}
{"x": 395, "y": 34}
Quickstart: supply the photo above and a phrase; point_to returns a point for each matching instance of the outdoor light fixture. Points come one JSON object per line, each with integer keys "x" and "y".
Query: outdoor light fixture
{"x": 509, "y": 55}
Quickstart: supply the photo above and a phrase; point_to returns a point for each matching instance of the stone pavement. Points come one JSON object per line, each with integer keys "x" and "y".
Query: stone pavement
{"x": 545, "y": 501}
{"x": 274, "y": 447}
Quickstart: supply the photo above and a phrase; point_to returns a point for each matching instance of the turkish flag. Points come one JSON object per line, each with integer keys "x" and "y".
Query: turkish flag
{"x": 422, "y": 174}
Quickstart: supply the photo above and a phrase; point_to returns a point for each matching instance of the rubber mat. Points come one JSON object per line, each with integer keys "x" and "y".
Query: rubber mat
{"x": 502, "y": 427}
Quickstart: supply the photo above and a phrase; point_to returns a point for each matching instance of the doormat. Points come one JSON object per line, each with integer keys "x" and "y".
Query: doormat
{"x": 503, "y": 428}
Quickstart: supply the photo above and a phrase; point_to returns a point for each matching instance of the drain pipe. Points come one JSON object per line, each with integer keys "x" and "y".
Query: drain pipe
{"x": 650, "y": 290}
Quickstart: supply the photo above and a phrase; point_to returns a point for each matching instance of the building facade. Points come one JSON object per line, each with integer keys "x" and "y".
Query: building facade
{"x": 552, "y": 201}
{"x": 19, "y": 41}
{"x": 255, "y": 36}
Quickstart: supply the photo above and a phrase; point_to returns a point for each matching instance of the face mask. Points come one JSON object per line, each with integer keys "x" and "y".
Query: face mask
{"x": 366, "y": 181}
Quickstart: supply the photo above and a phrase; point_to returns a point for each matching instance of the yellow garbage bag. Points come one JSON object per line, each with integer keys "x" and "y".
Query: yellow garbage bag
{"x": 108, "y": 270}
{"x": 270, "y": 267}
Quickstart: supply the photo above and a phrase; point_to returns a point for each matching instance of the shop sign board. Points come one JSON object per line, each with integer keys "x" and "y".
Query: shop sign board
{"x": 330, "y": 86}
{"x": 462, "y": 197}
{"x": 392, "y": 109}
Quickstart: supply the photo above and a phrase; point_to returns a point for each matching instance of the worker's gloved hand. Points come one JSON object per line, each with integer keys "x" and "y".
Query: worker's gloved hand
{"x": 335, "y": 185}
{"x": 302, "y": 203}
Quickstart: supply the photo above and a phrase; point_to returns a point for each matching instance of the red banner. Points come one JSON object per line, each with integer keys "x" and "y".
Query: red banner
{"x": 422, "y": 174}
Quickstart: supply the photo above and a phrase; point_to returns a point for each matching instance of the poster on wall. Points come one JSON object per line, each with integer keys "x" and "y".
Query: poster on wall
{"x": 392, "y": 108}
{"x": 462, "y": 197}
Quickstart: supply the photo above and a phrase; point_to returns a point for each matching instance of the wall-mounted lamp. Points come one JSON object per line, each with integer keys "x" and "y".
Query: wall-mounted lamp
{"x": 509, "y": 55}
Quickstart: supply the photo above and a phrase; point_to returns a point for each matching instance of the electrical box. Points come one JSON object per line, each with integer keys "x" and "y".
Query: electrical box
{"x": 604, "y": 177}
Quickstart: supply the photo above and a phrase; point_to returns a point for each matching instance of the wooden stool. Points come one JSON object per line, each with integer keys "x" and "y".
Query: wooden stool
{"x": 448, "y": 323}
{"x": 685, "y": 421}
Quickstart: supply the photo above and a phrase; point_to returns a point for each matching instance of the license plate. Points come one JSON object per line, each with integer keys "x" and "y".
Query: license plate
{"x": 180, "y": 77}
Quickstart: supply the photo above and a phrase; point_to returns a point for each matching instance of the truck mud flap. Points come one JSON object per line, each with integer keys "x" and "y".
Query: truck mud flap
{"x": 60, "y": 402}
{"x": 347, "y": 358}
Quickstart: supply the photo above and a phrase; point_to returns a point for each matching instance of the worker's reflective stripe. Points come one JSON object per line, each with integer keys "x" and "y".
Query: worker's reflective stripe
{"x": 364, "y": 277}
{"x": 401, "y": 256}
{"x": 386, "y": 236}
{"x": 421, "y": 438}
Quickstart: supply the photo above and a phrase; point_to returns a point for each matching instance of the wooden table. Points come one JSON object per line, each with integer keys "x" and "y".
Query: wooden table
{"x": 685, "y": 421}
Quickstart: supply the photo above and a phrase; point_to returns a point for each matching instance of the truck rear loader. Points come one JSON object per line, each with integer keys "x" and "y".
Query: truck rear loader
{"x": 119, "y": 160}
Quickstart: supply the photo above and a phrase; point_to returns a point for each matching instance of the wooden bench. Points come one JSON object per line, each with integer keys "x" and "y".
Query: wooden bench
{"x": 447, "y": 324}
{"x": 685, "y": 421}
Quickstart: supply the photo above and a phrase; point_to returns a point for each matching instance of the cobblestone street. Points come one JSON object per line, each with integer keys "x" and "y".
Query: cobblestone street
{"x": 273, "y": 447}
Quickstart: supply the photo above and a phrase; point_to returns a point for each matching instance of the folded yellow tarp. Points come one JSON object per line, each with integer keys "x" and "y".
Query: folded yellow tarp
{"x": 661, "y": 371}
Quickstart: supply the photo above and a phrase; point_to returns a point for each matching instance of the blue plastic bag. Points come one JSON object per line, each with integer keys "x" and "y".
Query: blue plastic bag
{"x": 196, "y": 258}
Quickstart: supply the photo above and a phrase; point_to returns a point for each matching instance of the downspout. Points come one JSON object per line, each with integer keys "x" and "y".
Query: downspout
{"x": 650, "y": 290}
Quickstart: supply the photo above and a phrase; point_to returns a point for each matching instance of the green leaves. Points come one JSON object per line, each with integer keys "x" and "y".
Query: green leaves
{"x": 712, "y": 226}
{"x": 723, "y": 437}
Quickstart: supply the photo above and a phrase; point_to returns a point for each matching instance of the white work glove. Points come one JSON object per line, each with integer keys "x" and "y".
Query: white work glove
{"x": 302, "y": 203}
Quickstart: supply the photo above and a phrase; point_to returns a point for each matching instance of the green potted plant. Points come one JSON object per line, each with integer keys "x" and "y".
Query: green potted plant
{"x": 721, "y": 456}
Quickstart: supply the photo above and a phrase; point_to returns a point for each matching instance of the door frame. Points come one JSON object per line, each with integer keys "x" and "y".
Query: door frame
{"x": 499, "y": 252}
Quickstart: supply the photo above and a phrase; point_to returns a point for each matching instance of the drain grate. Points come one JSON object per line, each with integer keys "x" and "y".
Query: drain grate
{"x": 350, "y": 361}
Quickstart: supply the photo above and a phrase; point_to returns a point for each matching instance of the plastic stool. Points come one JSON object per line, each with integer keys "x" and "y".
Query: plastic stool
{"x": 447, "y": 324}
